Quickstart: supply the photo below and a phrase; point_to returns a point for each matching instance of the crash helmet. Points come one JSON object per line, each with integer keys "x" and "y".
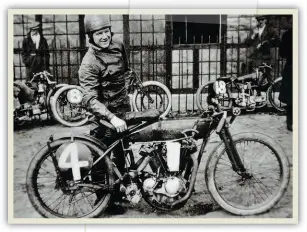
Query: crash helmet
{"x": 94, "y": 23}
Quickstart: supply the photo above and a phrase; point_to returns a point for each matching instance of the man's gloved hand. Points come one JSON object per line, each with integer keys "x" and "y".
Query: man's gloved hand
{"x": 119, "y": 124}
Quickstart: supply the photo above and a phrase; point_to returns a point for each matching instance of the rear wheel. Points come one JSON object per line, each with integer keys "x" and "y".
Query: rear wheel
{"x": 153, "y": 95}
{"x": 259, "y": 188}
{"x": 54, "y": 195}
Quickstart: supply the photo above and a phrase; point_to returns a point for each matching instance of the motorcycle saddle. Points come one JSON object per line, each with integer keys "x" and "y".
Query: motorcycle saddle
{"x": 223, "y": 78}
{"x": 136, "y": 117}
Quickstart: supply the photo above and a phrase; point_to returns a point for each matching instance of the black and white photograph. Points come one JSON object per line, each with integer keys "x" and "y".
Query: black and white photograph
{"x": 162, "y": 114}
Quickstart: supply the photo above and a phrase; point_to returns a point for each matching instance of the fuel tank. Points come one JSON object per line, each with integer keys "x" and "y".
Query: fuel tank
{"x": 170, "y": 129}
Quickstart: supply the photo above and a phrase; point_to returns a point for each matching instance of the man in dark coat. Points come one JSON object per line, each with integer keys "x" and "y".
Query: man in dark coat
{"x": 285, "y": 51}
{"x": 103, "y": 73}
{"x": 35, "y": 52}
{"x": 262, "y": 38}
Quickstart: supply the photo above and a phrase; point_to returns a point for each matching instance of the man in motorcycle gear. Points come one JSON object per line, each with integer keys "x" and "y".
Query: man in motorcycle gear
{"x": 102, "y": 75}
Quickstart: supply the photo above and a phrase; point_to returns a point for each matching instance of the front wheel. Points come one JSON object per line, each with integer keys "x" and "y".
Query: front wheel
{"x": 55, "y": 194}
{"x": 153, "y": 95}
{"x": 259, "y": 188}
{"x": 66, "y": 111}
{"x": 273, "y": 95}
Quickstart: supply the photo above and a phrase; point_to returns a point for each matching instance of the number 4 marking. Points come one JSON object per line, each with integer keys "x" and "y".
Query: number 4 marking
{"x": 72, "y": 151}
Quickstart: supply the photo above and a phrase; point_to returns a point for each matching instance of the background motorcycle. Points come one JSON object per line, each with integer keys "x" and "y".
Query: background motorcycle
{"x": 74, "y": 177}
{"x": 67, "y": 105}
{"x": 45, "y": 88}
{"x": 247, "y": 92}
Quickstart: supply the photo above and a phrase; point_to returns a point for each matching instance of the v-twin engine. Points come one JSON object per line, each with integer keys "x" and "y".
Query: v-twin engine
{"x": 169, "y": 186}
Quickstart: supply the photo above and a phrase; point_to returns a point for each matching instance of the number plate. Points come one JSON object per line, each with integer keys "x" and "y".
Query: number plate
{"x": 219, "y": 87}
{"x": 71, "y": 151}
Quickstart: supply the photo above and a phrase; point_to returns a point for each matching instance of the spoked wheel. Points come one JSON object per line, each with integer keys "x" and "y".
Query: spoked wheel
{"x": 259, "y": 188}
{"x": 273, "y": 95}
{"x": 55, "y": 194}
{"x": 65, "y": 110}
{"x": 153, "y": 95}
{"x": 202, "y": 95}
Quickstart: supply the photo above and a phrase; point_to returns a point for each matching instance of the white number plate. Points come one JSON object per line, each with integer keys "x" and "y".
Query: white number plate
{"x": 72, "y": 151}
{"x": 219, "y": 87}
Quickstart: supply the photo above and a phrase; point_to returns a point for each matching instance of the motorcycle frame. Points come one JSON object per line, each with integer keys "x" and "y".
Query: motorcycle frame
{"x": 222, "y": 129}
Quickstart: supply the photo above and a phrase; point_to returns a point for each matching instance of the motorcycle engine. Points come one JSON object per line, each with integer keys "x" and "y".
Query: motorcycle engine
{"x": 164, "y": 189}
{"x": 242, "y": 99}
{"x": 245, "y": 99}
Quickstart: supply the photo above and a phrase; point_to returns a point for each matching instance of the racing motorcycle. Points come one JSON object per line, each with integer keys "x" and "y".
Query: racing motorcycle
{"x": 67, "y": 107}
{"x": 75, "y": 176}
{"x": 247, "y": 92}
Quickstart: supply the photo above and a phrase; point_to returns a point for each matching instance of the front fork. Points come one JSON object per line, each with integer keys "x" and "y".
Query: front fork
{"x": 231, "y": 150}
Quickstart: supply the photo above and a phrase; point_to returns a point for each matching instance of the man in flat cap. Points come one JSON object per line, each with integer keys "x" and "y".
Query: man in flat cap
{"x": 262, "y": 38}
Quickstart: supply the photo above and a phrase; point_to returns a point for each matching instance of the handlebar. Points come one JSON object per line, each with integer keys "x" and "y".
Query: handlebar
{"x": 45, "y": 74}
{"x": 264, "y": 65}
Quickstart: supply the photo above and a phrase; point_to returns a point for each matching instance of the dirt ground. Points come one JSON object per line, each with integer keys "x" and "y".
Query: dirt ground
{"x": 28, "y": 140}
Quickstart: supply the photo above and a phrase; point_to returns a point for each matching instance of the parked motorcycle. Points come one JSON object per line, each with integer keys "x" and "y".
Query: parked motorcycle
{"x": 247, "y": 92}
{"x": 43, "y": 95}
{"x": 74, "y": 177}
{"x": 41, "y": 88}
{"x": 68, "y": 109}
